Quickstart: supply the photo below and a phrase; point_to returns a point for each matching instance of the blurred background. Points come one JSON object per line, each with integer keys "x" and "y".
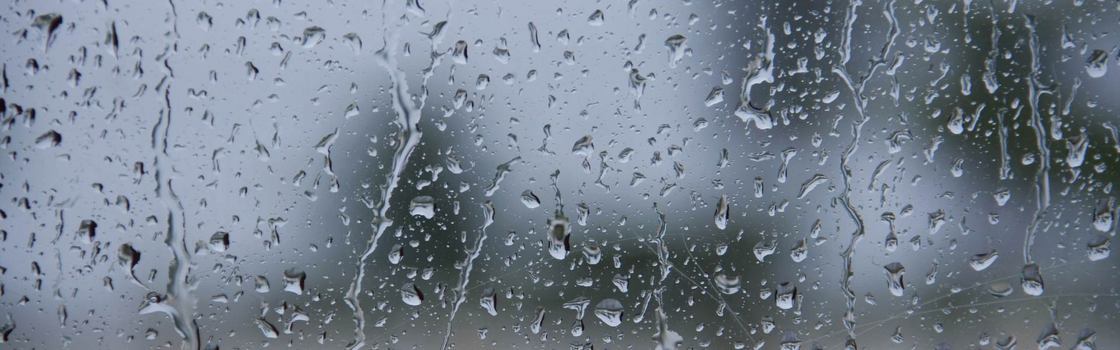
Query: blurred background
{"x": 588, "y": 174}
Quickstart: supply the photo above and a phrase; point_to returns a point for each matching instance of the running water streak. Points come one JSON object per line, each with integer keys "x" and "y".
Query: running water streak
{"x": 1042, "y": 176}
{"x": 178, "y": 292}
{"x": 857, "y": 90}
{"x": 408, "y": 119}
{"x": 468, "y": 265}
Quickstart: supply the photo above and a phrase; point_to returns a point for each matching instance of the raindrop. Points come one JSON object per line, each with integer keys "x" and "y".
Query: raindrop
{"x": 313, "y": 36}
{"x": 715, "y": 97}
{"x": 294, "y": 281}
{"x": 1096, "y": 65}
{"x": 1000, "y": 289}
{"x": 676, "y": 45}
{"x": 609, "y": 311}
{"x": 584, "y": 146}
{"x": 489, "y": 302}
{"x": 87, "y": 229}
{"x": 810, "y": 184}
{"x": 459, "y": 54}
{"x": 538, "y": 321}
{"x": 1102, "y": 219}
{"x": 1032, "y": 280}
{"x": 786, "y": 296}
{"x": 559, "y": 236}
{"x": 261, "y": 284}
{"x": 422, "y": 206}
{"x": 727, "y": 284}
{"x": 596, "y": 18}
{"x": 128, "y": 256}
{"x": 592, "y": 254}
{"x": 48, "y": 139}
{"x": 354, "y": 41}
{"x": 219, "y": 241}
{"x": 533, "y": 38}
{"x": 982, "y": 261}
{"x": 723, "y": 214}
{"x": 895, "y": 283}
{"x": 411, "y": 295}
{"x": 1002, "y": 196}
{"x": 763, "y": 249}
{"x": 799, "y": 251}
{"x": 48, "y": 24}
{"x": 530, "y": 200}
{"x": 267, "y": 329}
{"x": 396, "y": 254}
{"x": 622, "y": 283}
{"x": 1100, "y": 248}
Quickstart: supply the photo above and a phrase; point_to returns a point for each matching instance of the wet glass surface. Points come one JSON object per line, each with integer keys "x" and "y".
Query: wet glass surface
{"x": 641, "y": 174}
